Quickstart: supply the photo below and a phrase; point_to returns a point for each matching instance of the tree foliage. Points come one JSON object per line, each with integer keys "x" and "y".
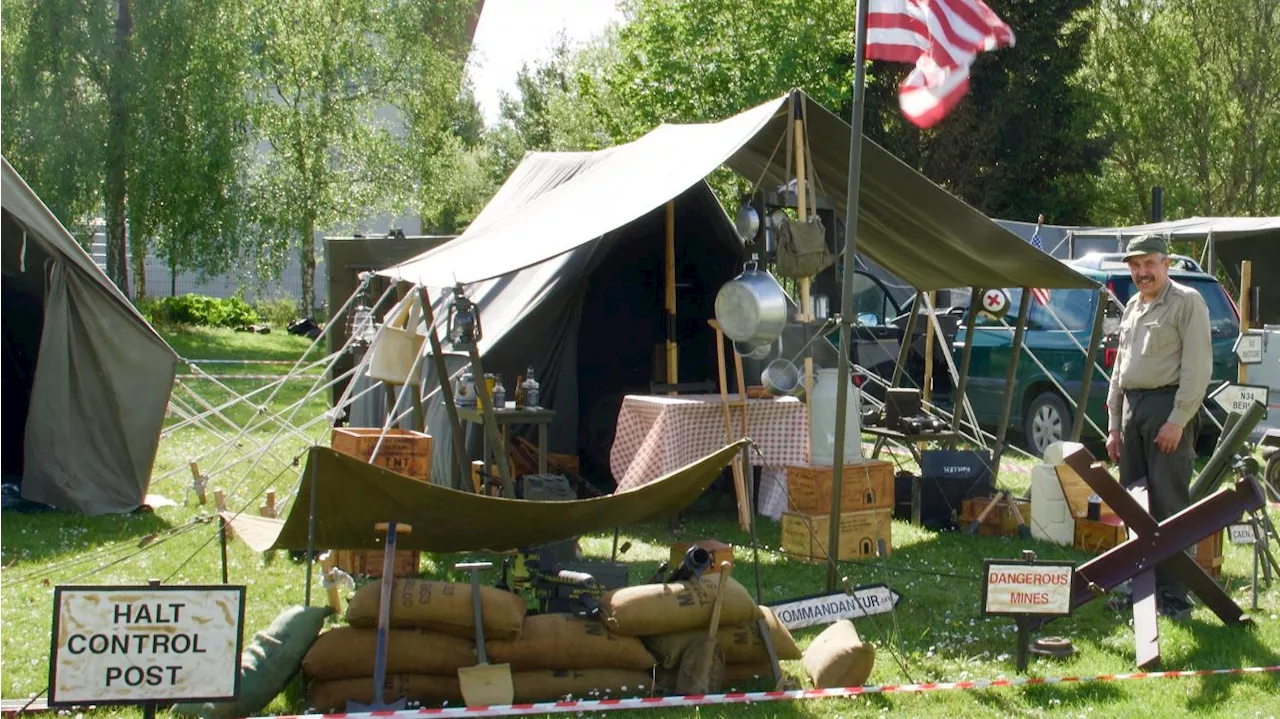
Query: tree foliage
{"x": 1190, "y": 101}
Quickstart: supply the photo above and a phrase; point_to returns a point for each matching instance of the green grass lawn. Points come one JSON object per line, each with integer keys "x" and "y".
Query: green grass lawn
{"x": 936, "y": 634}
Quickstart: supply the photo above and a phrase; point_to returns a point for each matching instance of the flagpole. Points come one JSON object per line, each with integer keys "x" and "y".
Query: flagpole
{"x": 846, "y": 288}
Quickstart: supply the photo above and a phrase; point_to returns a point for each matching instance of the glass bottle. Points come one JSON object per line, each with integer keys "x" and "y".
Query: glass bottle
{"x": 530, "y": 389}
{"x": 499, "y": 393}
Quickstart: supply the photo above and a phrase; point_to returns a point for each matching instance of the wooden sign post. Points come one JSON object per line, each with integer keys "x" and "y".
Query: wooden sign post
{"x": 1025, "y": 589}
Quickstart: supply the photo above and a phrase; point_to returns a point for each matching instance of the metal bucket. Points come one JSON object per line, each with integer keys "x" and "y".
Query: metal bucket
{"x": 782, "y": 379}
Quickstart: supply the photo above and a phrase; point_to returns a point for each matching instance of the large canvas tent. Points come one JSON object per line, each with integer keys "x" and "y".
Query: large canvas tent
{"x": 559, "y": 214}
{"x": 86, "y": 379}
{"x": 587, "y": 320}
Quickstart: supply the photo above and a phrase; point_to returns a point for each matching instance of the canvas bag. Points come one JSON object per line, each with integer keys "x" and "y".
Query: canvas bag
{"x": 802, "y": 248}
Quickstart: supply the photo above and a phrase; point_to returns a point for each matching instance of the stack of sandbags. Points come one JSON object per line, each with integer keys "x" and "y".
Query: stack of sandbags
{"x": 560, "y": 655}
{"x": 839, "y": 658}
{"x": 422, "y": 666}
{"x": 433, "y": 634}
{"x": 746, "y": 657}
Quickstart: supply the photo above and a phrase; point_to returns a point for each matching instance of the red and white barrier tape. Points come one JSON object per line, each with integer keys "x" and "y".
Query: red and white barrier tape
{"x": 599, "y": 705}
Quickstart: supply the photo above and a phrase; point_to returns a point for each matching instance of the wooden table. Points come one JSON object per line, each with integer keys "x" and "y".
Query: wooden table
{"x": 510, "y": 415}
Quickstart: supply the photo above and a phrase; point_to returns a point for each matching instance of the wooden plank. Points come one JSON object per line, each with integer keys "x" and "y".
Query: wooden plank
{"x": 1146, "y": 632}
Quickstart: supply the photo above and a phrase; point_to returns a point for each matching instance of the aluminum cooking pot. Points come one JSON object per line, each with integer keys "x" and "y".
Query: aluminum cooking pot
{"x": 781, "y": 379}
{"x": 752, "y": 307}
{"x": 750, "y": 351}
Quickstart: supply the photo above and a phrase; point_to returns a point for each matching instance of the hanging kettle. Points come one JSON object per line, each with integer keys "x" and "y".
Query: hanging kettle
{"x": 752, "y": 307}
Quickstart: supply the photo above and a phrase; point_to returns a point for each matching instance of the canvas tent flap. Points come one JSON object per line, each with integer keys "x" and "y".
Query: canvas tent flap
{"x": 907, "y": 224}
{"x": 99, "y": 400}
{"x": 102, "y": 376}
{"x": 350, "y": 496}
{"x": 613, "y": 188}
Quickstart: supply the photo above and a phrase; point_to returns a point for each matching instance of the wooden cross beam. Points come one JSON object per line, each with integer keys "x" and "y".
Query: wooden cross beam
{"x": 1154, "y": 542}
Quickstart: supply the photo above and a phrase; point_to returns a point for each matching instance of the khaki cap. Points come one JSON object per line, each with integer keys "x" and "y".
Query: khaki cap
{"x": 1145, "y": 245}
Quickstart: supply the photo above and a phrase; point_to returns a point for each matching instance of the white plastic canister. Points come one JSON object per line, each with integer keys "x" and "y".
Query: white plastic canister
{"x": 822, "y": 425}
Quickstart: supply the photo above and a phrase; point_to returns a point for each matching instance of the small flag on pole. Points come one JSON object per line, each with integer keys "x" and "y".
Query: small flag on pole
{"x": 942, "y": 38}
{"x": 1041, "y": 294}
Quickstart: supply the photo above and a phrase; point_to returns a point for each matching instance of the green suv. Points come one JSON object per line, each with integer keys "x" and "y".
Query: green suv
{"x": 1057, "y": 331}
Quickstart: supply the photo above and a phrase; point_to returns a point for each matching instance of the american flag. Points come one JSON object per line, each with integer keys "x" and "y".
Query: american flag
{"x": 942, "y": 38}
{"x": 1041, "y": 294}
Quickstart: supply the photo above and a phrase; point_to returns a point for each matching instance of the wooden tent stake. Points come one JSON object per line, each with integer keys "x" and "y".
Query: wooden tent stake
{"x": 739, "y": 480}
{"x": 669, "y": 302}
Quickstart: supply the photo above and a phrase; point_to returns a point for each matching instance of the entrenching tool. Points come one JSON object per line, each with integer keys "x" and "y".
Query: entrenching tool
{"x": 975, "y": 523}
{"x": 702, "y": 665}
{"x": 1024, "y": 531}
{"x": 384, "y": 623}
{"x": 484, "y": 684}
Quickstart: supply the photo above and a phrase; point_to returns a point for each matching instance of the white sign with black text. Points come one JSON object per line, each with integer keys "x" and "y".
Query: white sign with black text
{"x": 830, "y": 608}
{"x": 1011, "y": 588}
{"x": 1239, "y": 397}
{"x": 1248, "y": 349}
{"x": 1241, "y": 534}
{"x": 128, "y": 645}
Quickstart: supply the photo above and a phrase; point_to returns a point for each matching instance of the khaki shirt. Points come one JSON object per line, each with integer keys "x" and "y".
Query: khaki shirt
{"x": 1163, "y": 343}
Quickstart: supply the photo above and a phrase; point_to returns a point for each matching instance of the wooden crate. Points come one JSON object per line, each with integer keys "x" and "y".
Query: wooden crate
{"x": 1099, "y": 535}
{"x": 1000, "y": 522}
{"x": 1077, "y": 493}
{"x": 720, "y": 552}
{"x": 868, "y": 484}
{"x": 1208, "y": 553}
{"x": 805, "y": 535}
{"x": 368, "y": 562}
{"x": 403, "y": 451}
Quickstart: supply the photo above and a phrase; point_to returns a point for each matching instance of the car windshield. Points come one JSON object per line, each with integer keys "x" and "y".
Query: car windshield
{"x": 1066, "y": 309}
{"x": 1222, "y": 314}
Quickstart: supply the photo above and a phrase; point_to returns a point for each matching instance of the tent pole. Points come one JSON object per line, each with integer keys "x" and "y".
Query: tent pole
{"x": 802, "y": 211}
{"x": 673, "y": 358}
{"x": 846, "y": 291}
{"x": 927, "y": 390}
{"x": 1095, "y": 339}
{"x": 957, "y": 402}
{"x": 1015, "y": 352}
{"x": 446, "y": 392}
{"x": 1071, "y": 244}
{"x": 311, "y": 534}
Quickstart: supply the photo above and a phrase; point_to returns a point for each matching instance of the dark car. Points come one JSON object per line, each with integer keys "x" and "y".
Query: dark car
{"x": 1056, "y": 332}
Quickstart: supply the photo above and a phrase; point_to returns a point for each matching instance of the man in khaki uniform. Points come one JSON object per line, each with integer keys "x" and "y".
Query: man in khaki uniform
{"x": 1162, "y": 369}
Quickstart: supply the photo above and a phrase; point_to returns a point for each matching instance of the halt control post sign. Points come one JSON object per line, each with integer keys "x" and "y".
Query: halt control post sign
{"x": 144, "y": 644}
{"x": 1025, "y": 589}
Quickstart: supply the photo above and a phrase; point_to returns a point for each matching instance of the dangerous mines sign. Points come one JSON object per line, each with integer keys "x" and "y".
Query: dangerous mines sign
{"x": 1027, "y": 588}
{"x": 125, "y": 645}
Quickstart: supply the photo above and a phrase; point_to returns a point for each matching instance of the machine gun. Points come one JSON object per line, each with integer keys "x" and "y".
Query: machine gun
{"x": 554, "y": 580}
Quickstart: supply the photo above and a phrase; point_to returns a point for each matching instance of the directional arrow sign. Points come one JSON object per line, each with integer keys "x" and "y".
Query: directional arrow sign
{"x": 1238, "y": 397}
{"x": 828, "y": 608}
{"x": 1248, "y": 349}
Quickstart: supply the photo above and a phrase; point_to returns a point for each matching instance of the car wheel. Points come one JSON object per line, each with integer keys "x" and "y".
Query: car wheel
{"x": 1047, "y": 421}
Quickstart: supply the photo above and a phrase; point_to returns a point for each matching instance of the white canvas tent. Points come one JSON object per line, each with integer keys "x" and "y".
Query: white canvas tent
{"x": 86, "y": 379}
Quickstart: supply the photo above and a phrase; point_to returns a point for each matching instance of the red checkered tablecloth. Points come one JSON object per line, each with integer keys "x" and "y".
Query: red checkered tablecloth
{"x": 660, "y": 434}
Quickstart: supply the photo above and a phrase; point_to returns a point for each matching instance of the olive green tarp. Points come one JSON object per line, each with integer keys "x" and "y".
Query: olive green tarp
{"x": 352, "y": 495}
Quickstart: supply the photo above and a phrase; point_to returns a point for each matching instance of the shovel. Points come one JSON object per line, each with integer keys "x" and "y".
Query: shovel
{"x": 702, "y": 666}
{"x": 976, "y": 523}
{"x": 1024, "y": 531}
{"x": 484, "y": 684}
{"x": 384, "y": 622}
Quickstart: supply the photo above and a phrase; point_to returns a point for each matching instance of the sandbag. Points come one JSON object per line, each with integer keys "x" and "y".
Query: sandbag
{"x": 332, "y": 695}
{"x": 651, "y": 609}
{"x": 747, "y": 674}
{"x": 741, "y": 643}
{"x": 839, "y": 658}
{"x": 443, "y": 607}
{"x": 784, "y": 645}
{"x": 550, "y": 685}
{"x": 347, "y": 652}
{"x": 563, "y": 641}
{"x": 267, "y": 664}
